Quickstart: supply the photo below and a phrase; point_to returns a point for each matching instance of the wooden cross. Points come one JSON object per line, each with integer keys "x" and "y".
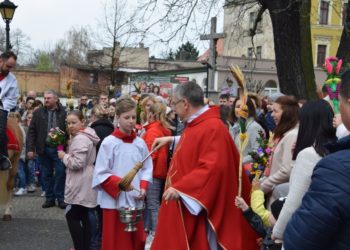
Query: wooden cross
{"x": 213, "y": 38}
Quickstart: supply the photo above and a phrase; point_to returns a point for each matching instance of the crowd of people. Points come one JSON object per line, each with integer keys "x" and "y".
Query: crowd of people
{"x": 187, "y": 188}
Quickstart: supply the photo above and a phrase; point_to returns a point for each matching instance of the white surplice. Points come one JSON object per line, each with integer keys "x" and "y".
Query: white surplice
{"x": 117, "y": 158}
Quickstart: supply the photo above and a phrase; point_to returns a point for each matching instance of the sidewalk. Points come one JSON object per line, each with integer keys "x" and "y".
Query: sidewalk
{"x": 34, "y": 228}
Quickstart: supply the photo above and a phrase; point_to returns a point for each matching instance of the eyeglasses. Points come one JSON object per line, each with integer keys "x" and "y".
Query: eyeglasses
{"x": 173, "y": 104}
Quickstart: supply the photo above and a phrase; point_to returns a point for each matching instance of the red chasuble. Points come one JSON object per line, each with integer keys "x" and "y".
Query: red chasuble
{"x": 205, "y": 168}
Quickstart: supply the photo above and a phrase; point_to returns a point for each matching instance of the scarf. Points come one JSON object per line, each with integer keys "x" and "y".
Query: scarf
{"x": 2, "y": 76}
{"x": 124, "y": 137}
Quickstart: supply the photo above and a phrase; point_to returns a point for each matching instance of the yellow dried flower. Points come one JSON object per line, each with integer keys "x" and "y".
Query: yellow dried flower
{"x": 243, "y": 136}
{"x": 244, "y": 111}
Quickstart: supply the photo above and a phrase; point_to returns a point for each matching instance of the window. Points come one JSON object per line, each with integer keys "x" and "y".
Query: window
{"x": 250, "y": 52}
{"x": 93, "y": 78}
{"x": 252, "y": 19}
{"x": 252, "y": 16}
{"x": 345, "y": 6}
{"x": 260, "y": 25}
{"x": 258, "y": 52}
{"x": 321, "y": 54}
{"x": 324, "y": 12}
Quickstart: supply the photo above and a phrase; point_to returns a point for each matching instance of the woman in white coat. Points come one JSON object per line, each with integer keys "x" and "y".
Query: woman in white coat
{"x": 315, "y": 131}
{"x": 285, "y": 114}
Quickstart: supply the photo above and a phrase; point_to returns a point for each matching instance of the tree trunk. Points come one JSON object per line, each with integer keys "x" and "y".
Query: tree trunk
{"x": 113, "y": 58}
{"x": 306, "y": 49}
{"x": 344, "y": 45}
{"x": 285, "y": 17}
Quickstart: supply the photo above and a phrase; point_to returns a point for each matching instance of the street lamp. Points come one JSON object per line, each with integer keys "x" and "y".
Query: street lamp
{"x": 7, "y": 10}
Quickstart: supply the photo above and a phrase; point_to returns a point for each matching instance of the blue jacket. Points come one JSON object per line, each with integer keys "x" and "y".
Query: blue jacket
{"x": 270, "y": 123}
{"x": 323, "y": 219}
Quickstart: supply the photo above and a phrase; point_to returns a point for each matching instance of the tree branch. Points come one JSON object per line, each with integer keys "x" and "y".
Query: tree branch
{"x": 252, "y": 31}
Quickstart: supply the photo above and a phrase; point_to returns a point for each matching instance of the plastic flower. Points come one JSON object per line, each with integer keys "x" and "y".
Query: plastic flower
{"x": 268, "y": 150}
{"x": 333, "y": 67}
{"x": 56, "y": 137}
{"x": 261, "y": 156}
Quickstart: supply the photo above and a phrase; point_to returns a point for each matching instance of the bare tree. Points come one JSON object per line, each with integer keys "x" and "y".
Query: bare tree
{"x": 291, "y": 30}
{"x": 175, "y": 18}
{"x": 117, "y": 31}
{"x": 58, "y": 54}
{"x": 76, "y": 44}
{"x": 292, "y": 38}
{"x": 72, "y": 49}
{"x": 20, "y": 44}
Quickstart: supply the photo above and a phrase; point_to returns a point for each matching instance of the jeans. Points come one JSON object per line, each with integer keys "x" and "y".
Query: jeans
{"x": 39, "y": 173}
{"x": 31, "y": 165}
{"x": 54, "y": 174}
{"x": 95, "y": 226}
{"x": 21, "y": 174}
{"x": 154, "y": 196}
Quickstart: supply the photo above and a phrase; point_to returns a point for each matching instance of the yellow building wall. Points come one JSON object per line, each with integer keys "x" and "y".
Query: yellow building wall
{"x": 326, "y": 34}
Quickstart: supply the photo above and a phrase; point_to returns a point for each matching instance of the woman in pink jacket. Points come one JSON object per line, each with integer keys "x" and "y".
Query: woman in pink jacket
{"x": 78, "y": 192}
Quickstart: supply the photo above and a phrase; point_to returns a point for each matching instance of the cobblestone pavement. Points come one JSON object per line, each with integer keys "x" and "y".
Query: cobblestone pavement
{"x": 34, "y": 228}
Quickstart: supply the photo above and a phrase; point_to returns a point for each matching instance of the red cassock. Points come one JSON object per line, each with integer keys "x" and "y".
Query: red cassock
{"x": 205, "y": 168}
{"x": 113, "y": 235}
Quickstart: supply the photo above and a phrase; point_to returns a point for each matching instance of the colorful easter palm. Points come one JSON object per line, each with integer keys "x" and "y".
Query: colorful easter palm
{"x": 243, "y": 116}
{"x": 333, "y": 66}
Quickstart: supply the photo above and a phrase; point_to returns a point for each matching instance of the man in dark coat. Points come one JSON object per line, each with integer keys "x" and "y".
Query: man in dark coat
{"x": 323, "y": 219}
{"x": 50, "y": 116}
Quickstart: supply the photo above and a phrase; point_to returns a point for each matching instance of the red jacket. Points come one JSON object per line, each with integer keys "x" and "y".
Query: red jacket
{"x": 160, "y": 157}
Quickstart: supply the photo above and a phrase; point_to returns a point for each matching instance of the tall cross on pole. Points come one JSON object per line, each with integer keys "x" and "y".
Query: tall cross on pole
{"x": 211, "y": 64}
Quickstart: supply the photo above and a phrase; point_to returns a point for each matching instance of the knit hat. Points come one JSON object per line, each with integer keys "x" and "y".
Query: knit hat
{"x": 276, "y": 207}
{"x": 273, "y": 97}
{"x": 112, "y": 101}
{"x": 168, "y": 110}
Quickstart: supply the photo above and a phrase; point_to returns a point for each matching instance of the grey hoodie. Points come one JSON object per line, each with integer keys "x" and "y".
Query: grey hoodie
{"x": 79, "y": 161}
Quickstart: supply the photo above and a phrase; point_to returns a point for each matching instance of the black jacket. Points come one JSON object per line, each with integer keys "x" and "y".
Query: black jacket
{"x": 37, "y": 132}
{"x": 265, "y": 232}
{"x": 323, "y": 219}
{"x": 103, "y": 128}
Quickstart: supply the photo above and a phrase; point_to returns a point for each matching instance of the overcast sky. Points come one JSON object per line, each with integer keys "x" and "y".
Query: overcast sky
{"x": 46, "y": 21}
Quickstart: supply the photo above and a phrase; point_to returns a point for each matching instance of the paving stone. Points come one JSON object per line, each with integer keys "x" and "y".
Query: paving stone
{"x": 34, "y": 228}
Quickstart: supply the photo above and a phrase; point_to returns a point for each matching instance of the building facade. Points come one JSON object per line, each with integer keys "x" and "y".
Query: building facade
{"x": 327, "y": 21}
{"x": 326, "y": 18}
{"x": 239, "y": 18}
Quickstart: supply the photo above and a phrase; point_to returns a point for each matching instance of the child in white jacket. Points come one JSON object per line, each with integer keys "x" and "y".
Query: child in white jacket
{"x": 117, "y": 155}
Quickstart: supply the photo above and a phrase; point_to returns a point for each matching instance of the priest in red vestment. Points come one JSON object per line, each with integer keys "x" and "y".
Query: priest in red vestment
{"x": 198, "y": 210}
